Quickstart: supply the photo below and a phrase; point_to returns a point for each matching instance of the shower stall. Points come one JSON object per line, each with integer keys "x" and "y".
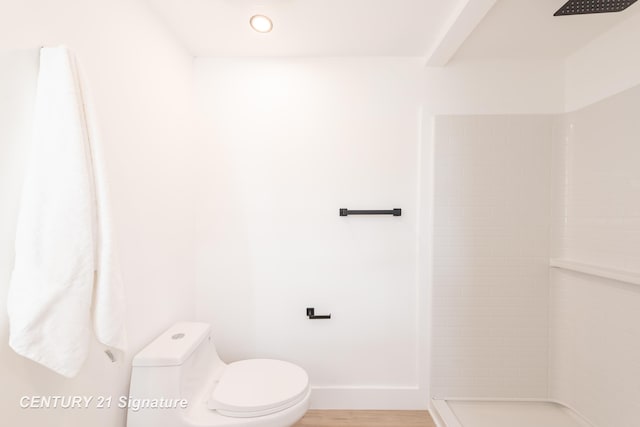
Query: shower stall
{"x": 536, "y": 248}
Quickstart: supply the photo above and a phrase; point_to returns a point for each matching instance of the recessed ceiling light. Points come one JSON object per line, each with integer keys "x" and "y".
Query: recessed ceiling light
{"x": 261, "y": 23}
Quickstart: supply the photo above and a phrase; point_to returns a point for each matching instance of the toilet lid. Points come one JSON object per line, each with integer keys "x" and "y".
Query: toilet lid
{"x": 258, "y": 387}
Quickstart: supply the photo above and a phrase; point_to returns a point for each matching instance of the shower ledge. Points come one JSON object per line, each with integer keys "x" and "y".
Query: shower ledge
{"x": 597, "y": 271}
{"x": 460, "y": 412}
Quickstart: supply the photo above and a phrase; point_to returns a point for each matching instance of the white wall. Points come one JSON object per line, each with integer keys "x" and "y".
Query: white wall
{"x": 595, "y": 333}
{"x": 490, "y": 256}
{"x": 289, "y": 142}
{"x": 607, "y": 65}
{"x": 141, "y": 81}
{"x": 495, "y": 87}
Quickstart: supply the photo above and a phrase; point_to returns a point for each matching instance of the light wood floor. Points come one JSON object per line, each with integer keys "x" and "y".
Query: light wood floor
{"x": 366, "y": 419}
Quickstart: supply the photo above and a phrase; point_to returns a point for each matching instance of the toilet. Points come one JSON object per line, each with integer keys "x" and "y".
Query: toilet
{"x": 178, "y": 380}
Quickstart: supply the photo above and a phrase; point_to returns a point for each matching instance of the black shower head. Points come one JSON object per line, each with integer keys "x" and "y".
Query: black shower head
{"x": 583, "y": 7}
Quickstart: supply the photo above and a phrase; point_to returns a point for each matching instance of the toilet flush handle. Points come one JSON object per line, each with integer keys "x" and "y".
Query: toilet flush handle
{"x": 311, "y": 314}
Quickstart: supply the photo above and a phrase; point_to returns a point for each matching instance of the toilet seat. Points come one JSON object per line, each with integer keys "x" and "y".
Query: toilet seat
{"x": 258, "y": 387}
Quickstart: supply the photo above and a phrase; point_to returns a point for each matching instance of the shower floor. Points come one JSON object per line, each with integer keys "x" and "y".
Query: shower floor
{"x": 470, "y": 413}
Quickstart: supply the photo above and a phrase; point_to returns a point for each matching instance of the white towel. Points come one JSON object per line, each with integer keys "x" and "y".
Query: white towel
{"x": 66, "y": 275}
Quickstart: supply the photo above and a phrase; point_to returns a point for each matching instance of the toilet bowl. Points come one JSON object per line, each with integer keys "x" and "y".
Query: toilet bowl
{"x": 178, "y": 380}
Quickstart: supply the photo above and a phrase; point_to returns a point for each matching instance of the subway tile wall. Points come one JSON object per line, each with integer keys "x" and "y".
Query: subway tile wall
{"x": 597, "y": 203}
{"x": 491, "y": 251}
{"x": 594, "y": 322}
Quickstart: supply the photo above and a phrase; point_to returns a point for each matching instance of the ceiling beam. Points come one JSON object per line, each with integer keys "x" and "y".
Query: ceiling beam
{"x": 464, "y": 19}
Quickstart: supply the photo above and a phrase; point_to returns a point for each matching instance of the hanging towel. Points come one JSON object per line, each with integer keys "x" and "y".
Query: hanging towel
{"x": 66, "y": 277}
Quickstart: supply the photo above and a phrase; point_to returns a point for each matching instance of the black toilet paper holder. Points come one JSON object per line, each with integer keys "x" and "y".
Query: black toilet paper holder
{"x": 311, "y": 314}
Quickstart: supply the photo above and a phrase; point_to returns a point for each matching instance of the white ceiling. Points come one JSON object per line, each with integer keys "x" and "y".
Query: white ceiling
{"x": 511, "y": 29}
{"x": 307, "y": 27}
{"x": 528, "y": 29}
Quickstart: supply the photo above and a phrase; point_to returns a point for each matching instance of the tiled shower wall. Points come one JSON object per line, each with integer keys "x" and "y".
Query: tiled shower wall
{"x": 491, "y": 252}
{"x": 595, "y": 322}
{"x": 501, "y": 326}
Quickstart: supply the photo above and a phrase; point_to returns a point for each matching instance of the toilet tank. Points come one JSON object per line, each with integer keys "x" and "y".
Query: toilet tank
{"x": 177, "y": 365}
{"x": 174, "y": 346}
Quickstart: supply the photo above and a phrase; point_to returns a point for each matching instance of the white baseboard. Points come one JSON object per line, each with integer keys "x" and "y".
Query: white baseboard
{"x": 372, "y": 398}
